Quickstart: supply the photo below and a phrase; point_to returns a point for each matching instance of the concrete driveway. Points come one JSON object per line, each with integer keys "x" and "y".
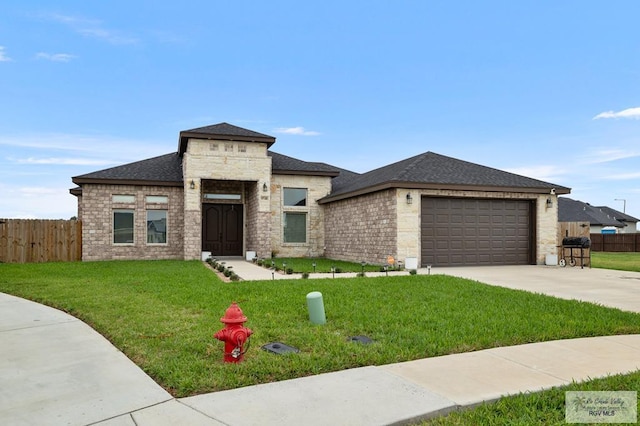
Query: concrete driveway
{"x": 618, "y": 289}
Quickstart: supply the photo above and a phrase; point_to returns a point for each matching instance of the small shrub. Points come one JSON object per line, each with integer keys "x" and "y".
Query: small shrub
{"x": 338, "y": 270}
{"x": 361, "y": 274}
{"x": 221, "y": 267}
{"x": 227, "y": 273}
{"x": 382, "y": 269}
{"x": 234, "y": 277}
{"x": 413, "y": 272}
{"x": 305, "y": 275}
{"x": 259, "y": 262}
{"x": 289, "y": 271}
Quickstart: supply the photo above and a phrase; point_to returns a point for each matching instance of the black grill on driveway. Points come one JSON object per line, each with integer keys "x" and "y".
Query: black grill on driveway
{"x": 579, "y": 244}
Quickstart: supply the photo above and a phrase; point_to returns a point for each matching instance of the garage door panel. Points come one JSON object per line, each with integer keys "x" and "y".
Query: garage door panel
{"x": 475, "y": 231}
{"x": 442, "y": 232}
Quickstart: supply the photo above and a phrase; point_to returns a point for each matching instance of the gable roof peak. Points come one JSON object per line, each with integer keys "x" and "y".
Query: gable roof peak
{"x": 222, "y": 131}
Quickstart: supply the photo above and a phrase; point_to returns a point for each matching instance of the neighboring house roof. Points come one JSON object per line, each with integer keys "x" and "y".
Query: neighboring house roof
{"x": 617, "y": 215}
{"x": 435, "y": 171}
{"x": 222, "y": 131}
{"x": 570, "y": 210}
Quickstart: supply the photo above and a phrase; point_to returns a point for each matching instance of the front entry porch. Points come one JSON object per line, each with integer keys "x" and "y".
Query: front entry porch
{"x": 222, "y": 229}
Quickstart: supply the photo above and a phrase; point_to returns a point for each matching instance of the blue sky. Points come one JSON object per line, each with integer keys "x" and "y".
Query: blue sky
{"x": 546, "y": 89}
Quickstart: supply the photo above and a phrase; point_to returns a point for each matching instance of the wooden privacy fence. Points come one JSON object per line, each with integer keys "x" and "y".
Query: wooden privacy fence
{"x": 28, "y": 241}
{"x": 615, "y": 242}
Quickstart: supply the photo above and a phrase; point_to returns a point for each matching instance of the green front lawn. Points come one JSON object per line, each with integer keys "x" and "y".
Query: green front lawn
{"x": 162, "y": 314}
{"x": 619, "y": 261}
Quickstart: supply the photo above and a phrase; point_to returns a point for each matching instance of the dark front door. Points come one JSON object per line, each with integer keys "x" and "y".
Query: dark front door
{"x": 222, "y": 229}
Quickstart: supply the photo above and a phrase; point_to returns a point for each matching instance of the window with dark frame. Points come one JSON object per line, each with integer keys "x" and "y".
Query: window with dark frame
{"x": 295, "y": 227}
{"x": 156, "y": 226}
{"x": 295, "y": 197}
{"x": 123, "y": 226}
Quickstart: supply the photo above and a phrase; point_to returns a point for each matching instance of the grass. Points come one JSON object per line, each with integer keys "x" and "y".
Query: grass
{"x": 540, "y": 408}
{"x": 162, "y": 314}
{"x": 619, "y": 261}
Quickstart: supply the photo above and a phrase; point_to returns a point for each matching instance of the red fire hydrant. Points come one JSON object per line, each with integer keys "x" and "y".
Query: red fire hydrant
{"x": 234, "y": 334}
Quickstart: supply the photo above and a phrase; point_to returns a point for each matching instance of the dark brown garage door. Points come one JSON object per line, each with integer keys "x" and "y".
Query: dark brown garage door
{"x": 458, "y": 231}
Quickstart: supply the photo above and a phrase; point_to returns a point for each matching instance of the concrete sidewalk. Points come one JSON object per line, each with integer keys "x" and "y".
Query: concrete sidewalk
{"x": 56, "y": 370}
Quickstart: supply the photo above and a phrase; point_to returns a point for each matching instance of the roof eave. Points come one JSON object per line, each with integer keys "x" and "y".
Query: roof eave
{"x": 185, "y": 136}
{"x": 442, "y": 187}
{"x": 306, "y": 173}
{"x": 134, "y": 182}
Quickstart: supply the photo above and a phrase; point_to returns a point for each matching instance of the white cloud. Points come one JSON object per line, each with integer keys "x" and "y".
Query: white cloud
{"x": 633, "y": 113}
{"x": 599, "y": 156}
{"x": 3, "y": 56}
{"x": 545, "y": 172}
{"x": 64, "y": 161}
{"x": 92, "y": 28}
{"x": 55, "y": 57}
{"x": 623, "y": 176}
{"x": 116, "y": 149}
{"x": 45, "y": 201}
{"x": 296, "y": 131}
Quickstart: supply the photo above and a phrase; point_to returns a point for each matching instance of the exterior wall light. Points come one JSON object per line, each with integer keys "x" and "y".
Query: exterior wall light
{"x": 265, "y": 188}
{"x": 192, "y": 184}
{"x": 409, "y": 198}
{"x": 549, "y": 203}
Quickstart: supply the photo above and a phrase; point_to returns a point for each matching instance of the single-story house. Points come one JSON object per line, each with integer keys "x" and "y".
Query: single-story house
{"x": 225, "y": 192}
{"x": 602, "y": 219}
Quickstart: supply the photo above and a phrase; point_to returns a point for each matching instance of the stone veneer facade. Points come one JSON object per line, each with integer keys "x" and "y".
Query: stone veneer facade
{"x": 96, "y": 207}
{"x": 362, "y": 228}
{"x": 220, "y": 160}
{"x": 317, "y": 187}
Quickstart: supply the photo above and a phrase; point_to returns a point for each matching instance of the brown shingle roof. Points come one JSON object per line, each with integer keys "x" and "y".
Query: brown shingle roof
{"x": 163, "y": 170}
{"x": 167, "y": 169}
{"x": 283, "y": 164}
{"x": 431, "y": 170}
